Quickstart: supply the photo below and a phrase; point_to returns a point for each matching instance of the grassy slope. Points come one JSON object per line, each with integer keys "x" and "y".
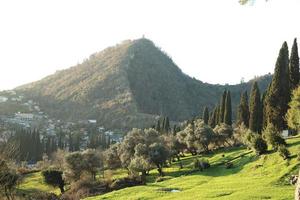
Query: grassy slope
{"x": 34, "y": 182}
{"x": 265, "y": 177}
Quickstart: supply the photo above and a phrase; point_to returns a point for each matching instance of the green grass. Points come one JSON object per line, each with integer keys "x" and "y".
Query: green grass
{"x": 252, "y": 177}
{"x": 34, "y": 182}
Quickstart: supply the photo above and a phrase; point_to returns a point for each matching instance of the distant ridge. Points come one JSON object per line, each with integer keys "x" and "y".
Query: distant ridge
{"x": 128, "y": 85}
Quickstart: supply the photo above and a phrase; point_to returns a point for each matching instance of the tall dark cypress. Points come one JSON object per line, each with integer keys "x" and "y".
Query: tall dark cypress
{"x": 294, "y": 66}
{"x": 279, "y": 93}
{"x": 243, "y": 110}
{"x": 228, "y": 110}
{"x": 222, "y": 107}
{"x": 205, "y": 116}
{"x": 255, "y": 119}
{"x": 214, "y": 117}
{"x": 167, "y": 125}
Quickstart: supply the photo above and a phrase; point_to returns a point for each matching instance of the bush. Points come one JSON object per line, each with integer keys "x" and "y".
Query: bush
{"x": 162, "y": 178}
{"x": 272, "y": 136}
{"x": 201, "y": 164}
{"x": 126, "y": 182}
{"x": 259, "y": 145}
{"x": 84, "y": 188}
{"x": 54, "y": 178}
{"x": 43, "y": 196}
{"x": 283, "y": 152}
{"x": 228, "y": 165}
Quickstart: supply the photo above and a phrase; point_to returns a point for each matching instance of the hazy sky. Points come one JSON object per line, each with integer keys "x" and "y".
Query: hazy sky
{"x": 216, "y": 41}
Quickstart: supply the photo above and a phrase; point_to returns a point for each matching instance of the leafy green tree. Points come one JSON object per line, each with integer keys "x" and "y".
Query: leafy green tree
{"x": 294, "y": 67}
{"x": 111, "y": 157}
{"x": 205, "y": 116}
{"x": 158, "y": 154}
{"x": 293, "y": 114}
{"x": 228, "y": 111}
{"x": 243, "y": 110}
{"x": 140, "y": 164}
{"x": 255, "y": 119}
{"x": 54, "y": 178}
{"x": 279, "y": 93}
{"x": 223, "y": 133}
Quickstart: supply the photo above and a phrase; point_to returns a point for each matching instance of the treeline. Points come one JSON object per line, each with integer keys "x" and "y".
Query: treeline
{"x": 30, "y": 145}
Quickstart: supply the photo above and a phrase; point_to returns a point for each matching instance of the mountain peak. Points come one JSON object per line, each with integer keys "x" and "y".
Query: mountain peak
{"x": 125, "y": 86}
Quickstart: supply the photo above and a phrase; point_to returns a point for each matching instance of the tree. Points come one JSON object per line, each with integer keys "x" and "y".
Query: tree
{"x": 255, "y": 119}
{"x": 293, "y": 114}
{"x": 8, "y": 180}
{"x": 243, "y": 110}
{"x": 272, "y": 136}
{"x": 222, "y": 107}
{"x": 205, "y": 115}
{"x": 214, "y": 118}
{"x": 223, "y": 133}
{"x": 93, "y": 162}
{"x": 158, "y": 154}
{"x": 228, "y": 111}
{"x": 111, "y": 157}
{"x": 54, "y": 178}
{"x": 294, "y": 66}
{"x": 75, "y": 165}
{"x": 140, "y": 164}
{"x": 259, "y": 144}
{"x": 279, "y": 93}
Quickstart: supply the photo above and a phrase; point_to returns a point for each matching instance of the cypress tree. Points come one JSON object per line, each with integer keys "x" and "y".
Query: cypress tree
{"x": 279, "y": 93}
{"x": 158, "y": 125}
{"x": 255, "y": 119}
{"x": 214, "y": 117}
{"x": 294, "y": 66}
{"x": 217, "y": 117}
{"x": 222, "y": 107}
{"x": 228, "y": 111}
{"x": 243, "y": 110}
{"x": 205, "y": 115}
{"x": 167, "y": 125}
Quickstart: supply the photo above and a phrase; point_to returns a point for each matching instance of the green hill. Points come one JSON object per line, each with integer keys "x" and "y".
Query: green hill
{"x": 127, "y": 86}
{"x": 251, "y": 177}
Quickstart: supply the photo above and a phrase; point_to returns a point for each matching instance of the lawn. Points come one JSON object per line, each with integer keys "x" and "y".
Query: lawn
{"x": 252, "y": 177}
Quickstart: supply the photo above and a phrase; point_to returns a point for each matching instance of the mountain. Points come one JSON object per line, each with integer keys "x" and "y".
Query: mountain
{"x": 128, "y": 85}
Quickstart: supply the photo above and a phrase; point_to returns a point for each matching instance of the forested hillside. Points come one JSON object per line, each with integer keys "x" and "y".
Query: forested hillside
{"x": 127, "y": 86}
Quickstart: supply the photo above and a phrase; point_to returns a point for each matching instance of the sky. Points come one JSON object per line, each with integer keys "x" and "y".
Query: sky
{"x": 215, "y": 41}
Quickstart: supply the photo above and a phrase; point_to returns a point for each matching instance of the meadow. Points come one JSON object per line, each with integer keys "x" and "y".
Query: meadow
{"x": 250, "y": 177}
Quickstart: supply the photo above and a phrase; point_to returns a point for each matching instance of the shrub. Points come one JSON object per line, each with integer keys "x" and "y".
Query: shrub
{"x": 162, "y": 178}
{"x": 259, "y": 144}
{"x": 54, "y": 178}
{"x": 85, "y": 187}
{"x": 272, "y": 136}
{"x": 43, "y": 196}
{"x": 201, "y": 164}
{"x": 125, "y": 182}
{"x": 283, "y": 152}
{"x": 229, "y": 165}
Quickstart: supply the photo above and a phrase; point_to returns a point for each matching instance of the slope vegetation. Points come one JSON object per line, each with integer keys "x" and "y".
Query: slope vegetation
{"x": 127, "y": 86}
